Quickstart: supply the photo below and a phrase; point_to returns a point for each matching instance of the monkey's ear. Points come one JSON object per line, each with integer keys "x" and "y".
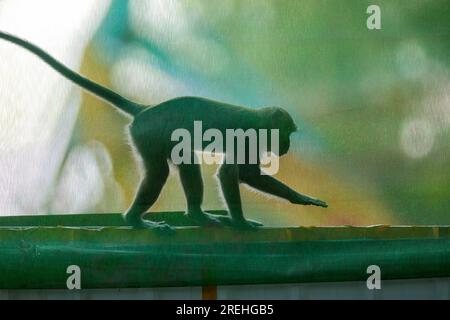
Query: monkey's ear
{"x": 273, "y": 117}
{"x": 275, "y": 113}
{"x": 280, "y": 118}
{"x": 277, "y": 116}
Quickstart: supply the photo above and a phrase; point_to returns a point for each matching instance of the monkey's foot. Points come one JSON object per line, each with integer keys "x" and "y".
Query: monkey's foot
{"x": 241, "y": 224}
{"x": 204, "y": 219}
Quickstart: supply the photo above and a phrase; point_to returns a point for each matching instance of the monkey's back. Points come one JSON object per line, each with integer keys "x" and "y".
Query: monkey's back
{"x": 182, "y": 112}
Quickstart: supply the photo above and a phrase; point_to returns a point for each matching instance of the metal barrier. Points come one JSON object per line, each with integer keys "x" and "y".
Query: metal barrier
{"x": 35, "y": 252}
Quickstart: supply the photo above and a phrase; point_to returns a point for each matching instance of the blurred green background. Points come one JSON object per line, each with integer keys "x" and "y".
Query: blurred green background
{"x": 373, "y": 106}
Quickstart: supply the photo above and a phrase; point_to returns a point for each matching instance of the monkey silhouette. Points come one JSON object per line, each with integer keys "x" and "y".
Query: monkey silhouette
{"x": 151, "y": 129}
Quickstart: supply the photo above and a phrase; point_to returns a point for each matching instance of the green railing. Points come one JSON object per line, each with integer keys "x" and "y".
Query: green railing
{"x": 35, "y": 252}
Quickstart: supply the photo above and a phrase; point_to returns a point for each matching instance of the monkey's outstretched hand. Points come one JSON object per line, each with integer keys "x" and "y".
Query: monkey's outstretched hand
{"x": 298, "y": 198}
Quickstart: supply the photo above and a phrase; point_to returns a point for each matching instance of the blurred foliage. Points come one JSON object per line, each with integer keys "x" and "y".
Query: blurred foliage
{"x": 373, "y": 105}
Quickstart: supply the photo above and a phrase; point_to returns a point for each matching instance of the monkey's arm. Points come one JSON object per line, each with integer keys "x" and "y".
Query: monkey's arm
{"x": 251, "y": 175}
{"x": 229, "y": 181}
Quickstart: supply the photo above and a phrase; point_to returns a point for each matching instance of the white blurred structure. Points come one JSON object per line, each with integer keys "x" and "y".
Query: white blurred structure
{"x": 38, "y": 108}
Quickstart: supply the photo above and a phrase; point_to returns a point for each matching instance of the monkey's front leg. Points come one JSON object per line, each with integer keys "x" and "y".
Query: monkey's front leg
{"x": 229, "y": 180}
{"x": 251, "y": 175}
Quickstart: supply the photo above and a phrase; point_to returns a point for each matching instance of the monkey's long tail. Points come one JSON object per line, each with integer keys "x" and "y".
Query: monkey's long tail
{"x": 125, "y": 105}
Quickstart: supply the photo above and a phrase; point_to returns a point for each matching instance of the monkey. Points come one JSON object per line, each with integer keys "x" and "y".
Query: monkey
{"x": 150, "y": 132}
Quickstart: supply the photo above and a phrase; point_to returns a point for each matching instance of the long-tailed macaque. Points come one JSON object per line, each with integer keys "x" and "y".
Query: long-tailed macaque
{"x": 151, "y": 130}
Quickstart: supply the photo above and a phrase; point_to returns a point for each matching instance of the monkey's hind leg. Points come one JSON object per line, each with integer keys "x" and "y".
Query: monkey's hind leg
{"x": 148, "y": 192}
{"x": 192, "y": 182}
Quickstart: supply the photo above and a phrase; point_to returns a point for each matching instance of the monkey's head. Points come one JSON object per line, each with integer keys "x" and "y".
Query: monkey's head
{"x": 278, "y": 118}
